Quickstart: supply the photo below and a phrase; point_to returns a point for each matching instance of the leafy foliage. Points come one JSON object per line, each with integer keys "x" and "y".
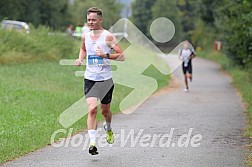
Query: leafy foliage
{"x": 188, "y": 11}
{"x": 39, "y": 45}
{"x": 57, "y": 14}
{"x": 50, "y": 13}
{"x": 171, "y": 12}
{"x": 110, "y": 8}
{"x": 142, "y": 13}
{"x": 146, "y": 11}
{"x": 234, "y": 20}
{"x": 230, "y": 22}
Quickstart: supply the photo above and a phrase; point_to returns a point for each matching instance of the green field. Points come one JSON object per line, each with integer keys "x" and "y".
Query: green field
{"x": 33, "y": 93}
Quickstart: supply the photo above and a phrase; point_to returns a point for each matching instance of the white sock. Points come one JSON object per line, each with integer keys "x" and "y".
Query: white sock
{"x": 92, "y": 136}
{"x": 108, "y": 126}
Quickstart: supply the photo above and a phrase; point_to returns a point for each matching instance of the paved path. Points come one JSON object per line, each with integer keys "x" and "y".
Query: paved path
{"x": 211, "y": 110}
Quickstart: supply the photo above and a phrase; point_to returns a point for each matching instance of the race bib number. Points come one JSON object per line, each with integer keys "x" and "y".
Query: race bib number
{"x": 95, "y": 60}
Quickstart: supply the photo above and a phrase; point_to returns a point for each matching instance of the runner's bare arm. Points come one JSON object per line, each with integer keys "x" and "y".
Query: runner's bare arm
{"x": 118, "y": 52}
{"x": 180, "y": 55}
{"x": 193, "y": 55}
{"x": 82, "y": 53}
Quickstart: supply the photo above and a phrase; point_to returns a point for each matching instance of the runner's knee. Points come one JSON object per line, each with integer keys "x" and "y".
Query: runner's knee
{"x": 105, "y": 111}
{"x": 92, "y": 110}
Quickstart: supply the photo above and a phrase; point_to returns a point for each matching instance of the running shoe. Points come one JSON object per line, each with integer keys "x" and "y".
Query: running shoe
{"x": 110, "y": 135}
{"x": 92, "y": 149}
{"x": 186, "y": 90}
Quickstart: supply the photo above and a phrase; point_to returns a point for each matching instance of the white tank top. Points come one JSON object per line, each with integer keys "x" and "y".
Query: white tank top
{"x": 97, "y": 68}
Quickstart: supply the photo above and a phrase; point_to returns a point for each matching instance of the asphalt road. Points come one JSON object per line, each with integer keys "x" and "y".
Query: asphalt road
{"x": 171, "y": 129}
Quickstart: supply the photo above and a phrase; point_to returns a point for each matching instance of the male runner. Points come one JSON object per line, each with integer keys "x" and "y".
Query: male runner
{"x": 186, "y": 54}
{"x": 97, "y": 46}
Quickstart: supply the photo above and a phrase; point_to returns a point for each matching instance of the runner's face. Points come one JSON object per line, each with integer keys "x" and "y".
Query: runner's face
{"x": 186, "y": 45}
{"x": 94, "y": 21}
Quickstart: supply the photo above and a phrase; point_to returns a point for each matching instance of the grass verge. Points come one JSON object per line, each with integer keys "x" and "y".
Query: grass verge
{"x": 38, "y": 46}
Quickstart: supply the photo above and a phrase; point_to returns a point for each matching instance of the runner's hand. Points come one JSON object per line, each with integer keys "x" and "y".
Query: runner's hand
{"x": 99, "y": 52}
{"x": 78, "y": 62}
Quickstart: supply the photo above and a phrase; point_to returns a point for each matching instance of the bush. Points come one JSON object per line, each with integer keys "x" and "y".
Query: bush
{"x": 39, "y": 45}
{"x": 234, "y": 21}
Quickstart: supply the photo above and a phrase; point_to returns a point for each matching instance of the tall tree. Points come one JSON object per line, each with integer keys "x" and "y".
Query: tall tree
{"x": 141, "y": 14}
{"x": 168, "y": 9}
{"x": 111, "y": 11}
{"x": 231, "y": 21}
{"x": 207, "y": 11}
{"x": 31, "y": 14}
{"x": 10, "y": 9}
{"x": 188, "y": 14}
{"x": 52, "y": 13}
{"x": 234, "y": 20}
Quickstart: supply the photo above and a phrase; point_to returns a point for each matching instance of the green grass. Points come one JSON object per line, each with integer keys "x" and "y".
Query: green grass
{"x": 17, "y": 47}
{"x": 242, "y": 81}
{"x": 34, "y": 94}
{"x": 32, "y": 97}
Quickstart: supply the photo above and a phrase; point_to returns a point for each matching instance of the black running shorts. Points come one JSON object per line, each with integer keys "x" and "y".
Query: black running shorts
{"x": 100, "y": 89}
{"x": 187, "y": 69}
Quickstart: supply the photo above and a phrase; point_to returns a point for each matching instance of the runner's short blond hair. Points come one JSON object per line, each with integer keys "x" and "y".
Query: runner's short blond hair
{"x": 94, "y": 10}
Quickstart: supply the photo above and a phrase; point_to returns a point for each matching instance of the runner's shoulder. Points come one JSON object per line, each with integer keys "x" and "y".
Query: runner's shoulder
{"x": 110, "y": 36}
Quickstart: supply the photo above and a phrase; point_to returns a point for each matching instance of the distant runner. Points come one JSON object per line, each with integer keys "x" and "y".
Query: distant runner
{"x": 186, "y": 54}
